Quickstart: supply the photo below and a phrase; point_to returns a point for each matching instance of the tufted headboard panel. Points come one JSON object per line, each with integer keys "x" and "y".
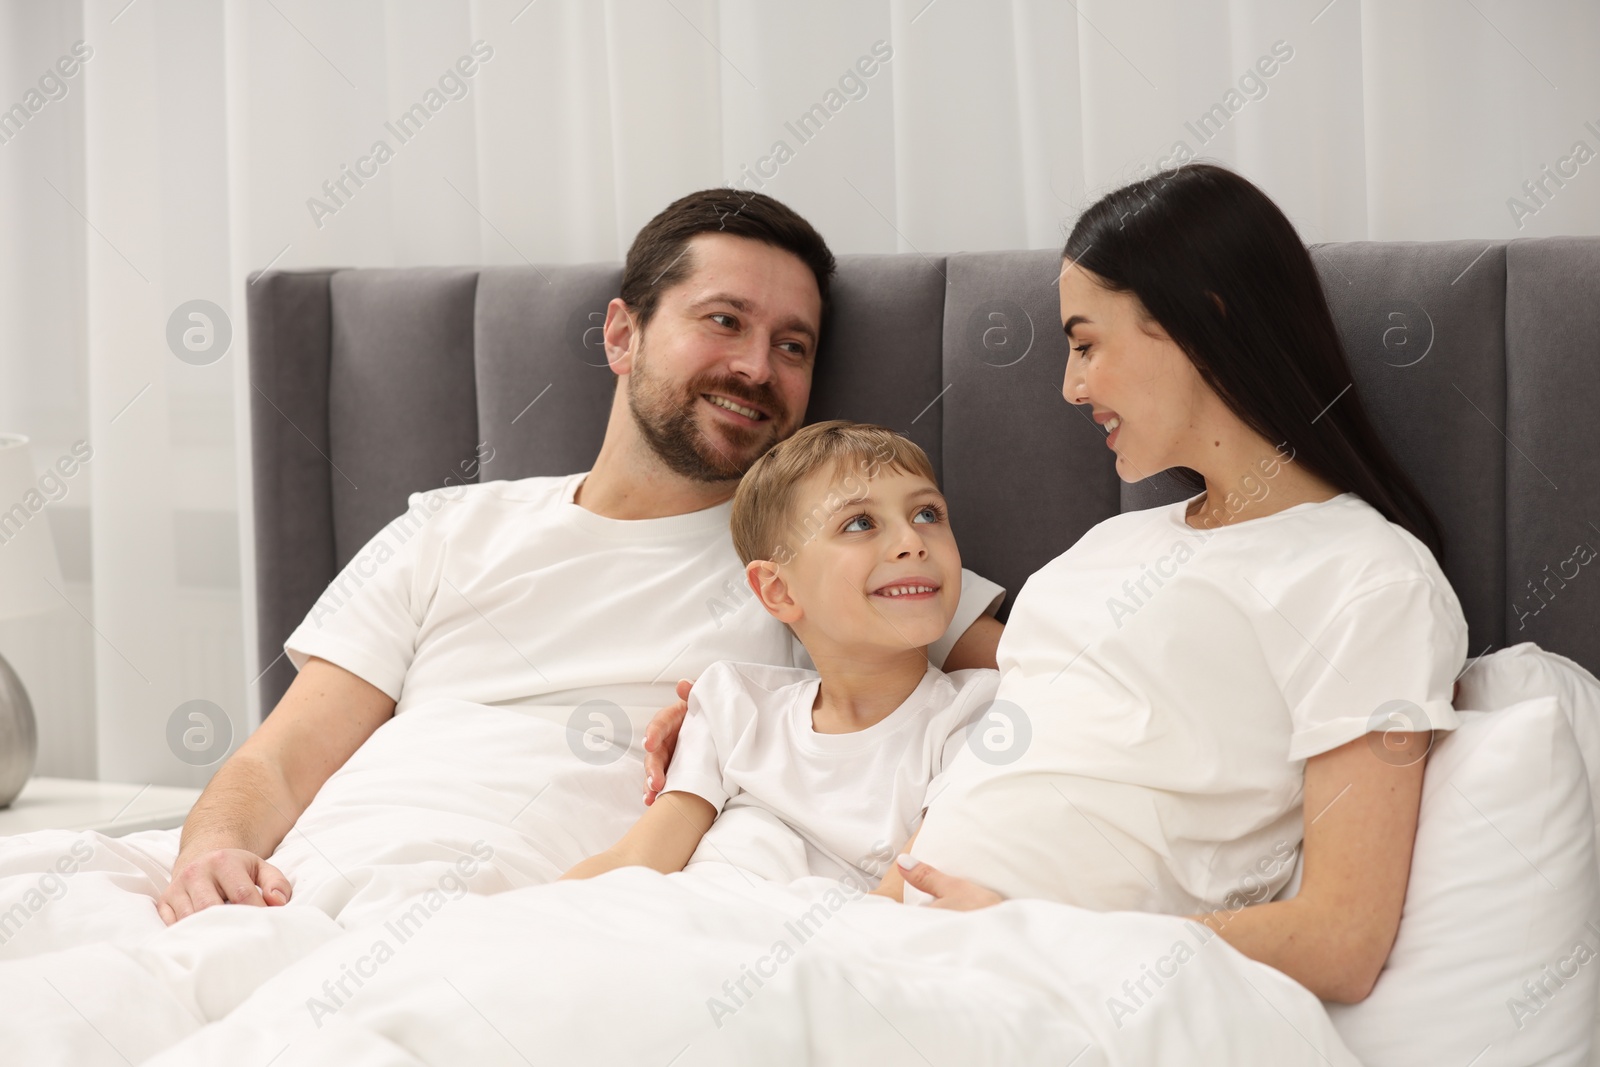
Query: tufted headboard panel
{"x": 1477, "y": 359}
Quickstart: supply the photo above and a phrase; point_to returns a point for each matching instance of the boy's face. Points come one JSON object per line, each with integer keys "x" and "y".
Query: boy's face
{"x": 881, "y": 574}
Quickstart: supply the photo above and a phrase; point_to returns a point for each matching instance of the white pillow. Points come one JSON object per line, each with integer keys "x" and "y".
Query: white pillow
{"x": 1525, "y": 671}
{"x": 1504, "y": 890}
{"x": 1510, "y": 676}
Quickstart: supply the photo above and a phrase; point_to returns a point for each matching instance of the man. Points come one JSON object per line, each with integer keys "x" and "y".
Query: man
{"x": 563, "y": 590}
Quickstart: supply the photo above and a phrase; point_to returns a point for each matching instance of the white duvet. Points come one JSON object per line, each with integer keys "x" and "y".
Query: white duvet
{"x": 423, "y": 930}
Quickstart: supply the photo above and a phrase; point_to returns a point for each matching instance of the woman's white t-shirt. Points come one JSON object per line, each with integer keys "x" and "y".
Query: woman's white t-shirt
{"x": 792, "y": 801}
{"x": 1167, "y": 684}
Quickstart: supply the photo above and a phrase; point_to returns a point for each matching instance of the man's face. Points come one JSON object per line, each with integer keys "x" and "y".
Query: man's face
{"x": 726, "y": 372}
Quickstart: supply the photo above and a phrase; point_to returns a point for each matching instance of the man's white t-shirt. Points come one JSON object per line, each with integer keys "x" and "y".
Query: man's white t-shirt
{"x": 748, "y": 748}
{"x": 508, "y": 593}
{"x": 1171, "y": 682}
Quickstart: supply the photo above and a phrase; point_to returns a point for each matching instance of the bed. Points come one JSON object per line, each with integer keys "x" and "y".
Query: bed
{"x": 423, "y": 929}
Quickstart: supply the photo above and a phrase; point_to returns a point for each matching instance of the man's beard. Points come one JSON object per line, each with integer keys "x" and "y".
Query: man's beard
{"x": 668, "y": 424}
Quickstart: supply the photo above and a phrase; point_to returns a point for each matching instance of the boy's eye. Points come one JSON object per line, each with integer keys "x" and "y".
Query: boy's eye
{"x": 859, "y": 524}
{"x": 930, "y": 513}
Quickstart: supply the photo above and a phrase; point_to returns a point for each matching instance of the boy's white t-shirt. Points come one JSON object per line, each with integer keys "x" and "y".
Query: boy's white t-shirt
{"x": 853, "y": 800}
{"x": 507, "y": 593}
{"x": 1173, "y": 681}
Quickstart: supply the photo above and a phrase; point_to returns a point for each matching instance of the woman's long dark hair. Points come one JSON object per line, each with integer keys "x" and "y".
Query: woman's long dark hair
{"x": 1181, "y": 240}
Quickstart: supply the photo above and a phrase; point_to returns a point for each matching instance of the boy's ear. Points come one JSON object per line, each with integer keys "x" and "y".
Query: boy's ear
{"x": 772, "y": 590}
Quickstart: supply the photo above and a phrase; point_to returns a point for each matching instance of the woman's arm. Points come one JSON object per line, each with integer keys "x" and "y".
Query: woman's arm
{"x": 1333, "y": 936}
{"x": 665, "y": 836}
{"x": 893, "y": 884}
{"x": 948, "y": 891}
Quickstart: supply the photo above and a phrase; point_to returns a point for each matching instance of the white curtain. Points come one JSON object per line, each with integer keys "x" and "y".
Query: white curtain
{"x": 191, "y": 142}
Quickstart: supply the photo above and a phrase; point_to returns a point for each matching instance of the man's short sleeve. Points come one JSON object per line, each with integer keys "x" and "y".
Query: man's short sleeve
{"x": 368, "y": 618}
{"x": 696, "y": 766}
{"x": 1386, "y": 661}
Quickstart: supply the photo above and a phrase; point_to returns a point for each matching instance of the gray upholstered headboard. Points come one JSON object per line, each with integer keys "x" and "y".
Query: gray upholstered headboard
{"x": 1480, "y": 362}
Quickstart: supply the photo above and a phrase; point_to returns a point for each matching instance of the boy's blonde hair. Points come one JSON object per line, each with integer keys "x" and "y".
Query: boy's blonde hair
{"x": 768, "y": 523}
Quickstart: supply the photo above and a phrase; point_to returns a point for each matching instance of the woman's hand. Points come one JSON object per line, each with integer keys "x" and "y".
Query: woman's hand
{"x": 660, "y": 738}
{"x": 947, "y": 890}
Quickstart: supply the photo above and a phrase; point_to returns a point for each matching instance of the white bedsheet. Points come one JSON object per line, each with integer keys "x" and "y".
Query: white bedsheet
{"x": 634, "y": 967}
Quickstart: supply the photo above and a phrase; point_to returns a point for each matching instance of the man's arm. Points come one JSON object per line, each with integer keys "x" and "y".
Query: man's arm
{"x": 256, "y": 796}
{"x": 976, "y": 647}
{"x": 664, "y": 838}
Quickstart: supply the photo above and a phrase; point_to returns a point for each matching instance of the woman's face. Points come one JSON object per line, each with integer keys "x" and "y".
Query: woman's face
{"x": 1142, "y": 388}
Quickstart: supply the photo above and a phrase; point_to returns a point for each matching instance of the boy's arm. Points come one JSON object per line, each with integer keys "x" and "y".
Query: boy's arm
{"x": 664, "y": 838}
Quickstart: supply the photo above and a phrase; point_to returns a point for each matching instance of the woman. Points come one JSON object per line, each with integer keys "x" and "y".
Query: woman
{"x": 1205, "y": 682}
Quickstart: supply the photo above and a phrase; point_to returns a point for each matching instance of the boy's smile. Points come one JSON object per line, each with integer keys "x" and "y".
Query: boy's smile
{"x": 881, "y": 574}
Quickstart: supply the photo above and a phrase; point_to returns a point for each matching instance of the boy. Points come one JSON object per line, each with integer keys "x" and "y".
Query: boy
{"x": 844, "y": 538}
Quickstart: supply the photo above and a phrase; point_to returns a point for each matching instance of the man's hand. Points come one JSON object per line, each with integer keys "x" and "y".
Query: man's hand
{"x": 255, "y": 797}
{"x": 947, "y": 890}
{"x": 221, "y": 876}
{"x": 660, "y": 738}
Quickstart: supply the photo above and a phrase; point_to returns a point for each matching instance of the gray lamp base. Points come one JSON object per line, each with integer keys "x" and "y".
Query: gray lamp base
{"x": 19, "y": 735}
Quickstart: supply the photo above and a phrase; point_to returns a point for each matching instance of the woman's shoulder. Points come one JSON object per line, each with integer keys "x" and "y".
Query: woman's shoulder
{"x": 1342, "y": 553}
{"x": 1349, "y": 534}
{"x": 1341, "y": 544}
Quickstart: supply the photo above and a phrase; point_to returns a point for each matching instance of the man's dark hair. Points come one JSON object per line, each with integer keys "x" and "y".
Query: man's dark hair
{"x": 658, "y": 258}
